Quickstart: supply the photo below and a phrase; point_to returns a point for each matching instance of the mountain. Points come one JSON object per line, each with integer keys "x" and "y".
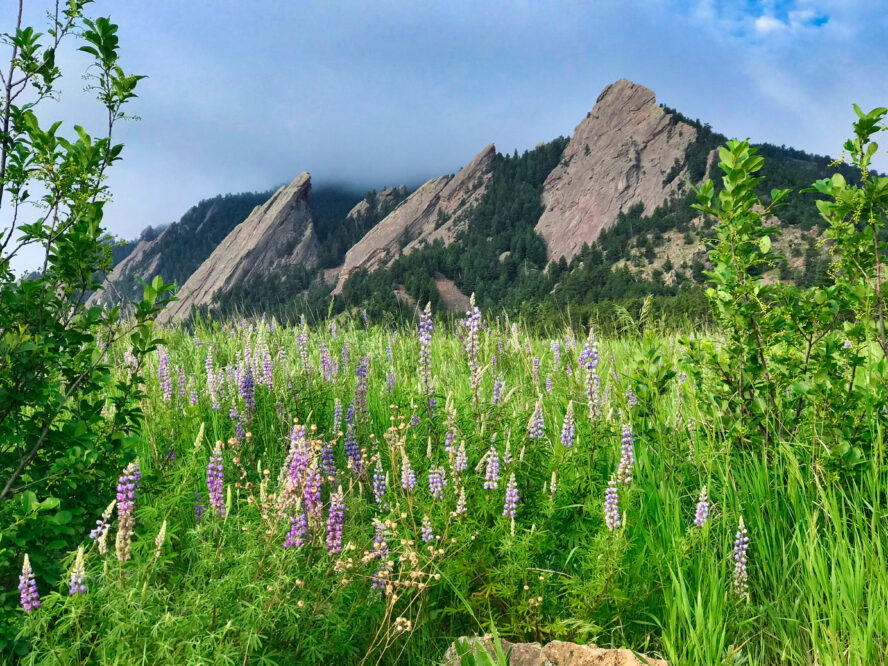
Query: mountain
{"x": 586, "y": 224}
{"x": 277, "y": 234}
{"x": 176, "y": 251}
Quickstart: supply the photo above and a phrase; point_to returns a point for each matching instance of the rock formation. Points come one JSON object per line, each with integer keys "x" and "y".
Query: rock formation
{"x": 278, "y": 233}
{"x": 620, "y": 155}
{"x": 556, "y": 653}
{"x": 433, "y": 211}
{"x": 385, "y": 199}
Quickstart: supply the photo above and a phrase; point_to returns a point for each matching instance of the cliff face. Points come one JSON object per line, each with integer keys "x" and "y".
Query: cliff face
{"x": 620, "y": 155}
{"x": 278, "y": 233}
{"x": 433, "y": 211}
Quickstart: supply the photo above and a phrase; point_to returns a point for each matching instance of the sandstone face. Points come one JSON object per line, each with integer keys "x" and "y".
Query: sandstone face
{"x": 434, "y": 211}
{"x": 556, "y": 653}
{"x": 619, "y": 156}
{"x": 276, "y": 234}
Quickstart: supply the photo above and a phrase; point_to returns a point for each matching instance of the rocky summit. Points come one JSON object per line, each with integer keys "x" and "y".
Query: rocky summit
{"x": 619, "y": 156}
{"x": 278, "y": 233}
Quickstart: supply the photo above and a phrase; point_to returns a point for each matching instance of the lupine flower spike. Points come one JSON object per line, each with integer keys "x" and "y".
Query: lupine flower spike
{"x": 78, "y": 573}
{"x": 741, "y": 548}
{"x": 29, "y": 596}
{"x": 612, "y": 506}
{"x": 334, "y": 523}
{"x": 627, "y": 456}
{"x": 511, "y": 503}
{"x": 215, "y": 480}
{"x": 702, "y": 513}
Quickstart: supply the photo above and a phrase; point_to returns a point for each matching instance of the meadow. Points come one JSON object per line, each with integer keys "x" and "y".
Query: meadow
{"x": 363, "y": 493}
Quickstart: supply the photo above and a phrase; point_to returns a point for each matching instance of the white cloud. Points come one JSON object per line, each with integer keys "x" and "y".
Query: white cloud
{"x": 768, "y": 24}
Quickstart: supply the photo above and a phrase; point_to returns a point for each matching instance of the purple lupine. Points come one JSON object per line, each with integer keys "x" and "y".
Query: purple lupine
{"x": 163, "y": 375}
{"x": 555, "y": 346}
{"x": 78, "y": 574}
{"x": 216, "y": 480}
{"x": 240, "y": 434}
{"x": 380, "y": 551}
{"x": 495, "y": 360}
{"x": 414, "y": 420}
{"x": 389, "y": 355}
{"x": 326, "y": 363}
{"x": 627, "y": 456}
{"x": 437, "y": 482}
{"x": 426, "y": 530}
{"x": 328, "y": 461}
{"x": 344, "y": 356}
{"x": 333, "y": 329}
{"x": 246, "y": 390}
{"x": 337, "y": 417}
{"x": 183, "y": 381}
{"x": 408, "y": 476}
{"x": 233, "y": 414}
{"x": 212, "y": 381}
{"x": 612, "y": 506}
{"x": 535, "y": 371}
{"x": 589, "y": 360}
{"x": 472, "y": 323}
{"x": 631, "y": 397}
{"x": 352, "y": 450}
{"x": 103, "y": 523}
{"x": 303, "y": 344}
{"x": 171, "y": 454}
{"x": 461, "y": 460}
{"x": 511, "y": 503}
{"x": 379, "y": 485}
{"x": 267, "y": 370}
{"x": 28, "y": 594}
{"x": 460, "y": 502}
{"x": 741, "y": 550}
{"x": 568, "y": 370}
{"x": 390, "y": 383}
{"x": 491, "y": 474}
{"x": 334, "y": 523}
{"x": 568, "y": 428}
{"x": 360, "y": 402}
{"x": 507, "y": 455}
{"x": 702, "y": 513}
{"x": 311, "y": 492}
{"x": 535, "y": 425}
{"x": 497, "y": 390}
{"x": 199, "y": 507}
{"x": 298, "y": 533}
{"x": 548, "y": 383}
{"x": 426, "y": 328}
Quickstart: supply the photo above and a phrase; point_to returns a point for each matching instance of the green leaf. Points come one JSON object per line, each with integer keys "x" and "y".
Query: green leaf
{"x": 765, "y": 244}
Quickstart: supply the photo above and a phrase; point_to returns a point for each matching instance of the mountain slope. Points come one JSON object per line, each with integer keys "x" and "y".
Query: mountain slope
{"x": 279, "y": 233}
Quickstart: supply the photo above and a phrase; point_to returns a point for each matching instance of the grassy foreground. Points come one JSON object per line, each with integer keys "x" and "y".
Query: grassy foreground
{"x": 374, "y": 493}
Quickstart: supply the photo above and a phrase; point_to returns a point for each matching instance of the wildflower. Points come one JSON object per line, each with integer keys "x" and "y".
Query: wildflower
{"x": 631, "y": 397}
{"x": 337, "y": 416}
{"x": 334, "y": 523}
{"x": 298, "y": 533}
{"x": 194, "y": 398}
{"x": 461, "y": 460}
{"x": 555, "y": 346}
{"x": 352, "y": 450}
{"x": 568, "y": 428}
{"x": 426, "y": 531}
{"x": 78, "y": 573}
{"x": 437, "y": 482}
{"x": 414, "y": 420}
{"x": 103, "y": 523}
{"x": 491, "y": 474}
{"x": 379, "y": 484}
{"x": 344, "y": 355}
{"x": 199, "y": 508}
{"x": 408, "y": 476}
{"x": 612, "y": 506}
{"x": 426, "y": 328}
{"x": 126, "y": 493}
{"x": 497, "y": 390}
{"x": 548, "y": 383}
{"x": 627, "y": 456}
{"x": 246, "y": 390}
{"x": 702, "y": 513}
{"x": 460, "y": 502}
{"x": 171, "y": 454}
{"x": 215, "y": 480}
{"x": 328, "y": 462}
{"x": 741, "y": 548}
{"x": 163, "y": 375}
{"x": 390, "y": 383}
{"x": 472, "y": 323}
{"x": 360, "y": 401}
{"x": 511, "y": 497}
{"x": 326, "y": 363}
{"x": 158, "y": 541}
{"x": 311, "y": 493}
{"x": 303, "y": 344}
{"x": 589, "y": 360}
{"x": 267, "y": 370}
{"x": 535, "y": 371}
{"x": 535, "y": 425}
{"x": 380, "y": 551}
{"x": 30, "y": 597}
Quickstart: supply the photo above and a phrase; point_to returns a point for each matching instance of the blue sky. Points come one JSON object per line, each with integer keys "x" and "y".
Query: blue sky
{"x": 245, "y": 95}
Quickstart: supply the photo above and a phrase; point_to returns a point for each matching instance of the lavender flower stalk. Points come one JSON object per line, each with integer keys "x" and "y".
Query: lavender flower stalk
{"x": 334, "y": 523}
{"x": 426, "y": 532}
{"x": 472, "y": 323}
{"x": 741, "y": 549}
{"x": 492, "y": 473}
{"x": 702, "y": 513}
{"x": 379, "y": 485}
{"x": 426, "y": 328}
{"x": 437, "y": 482}
{"x": 78, "y": 574}
{"x": 612, "y": 506}
{"x": 535, "y": 425}
{"x": 511, "y": 503}
{"x": 408, "y": 476}
{"x": 163, "y": 375}
{"x": 126, "y": 493}
{"x": 627, "y": 456}
{"x": 298, "y": 533}
{"x": 29, "y": 595}
{"x": 568, "y": 428}
{"x": 216, "y": 480}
